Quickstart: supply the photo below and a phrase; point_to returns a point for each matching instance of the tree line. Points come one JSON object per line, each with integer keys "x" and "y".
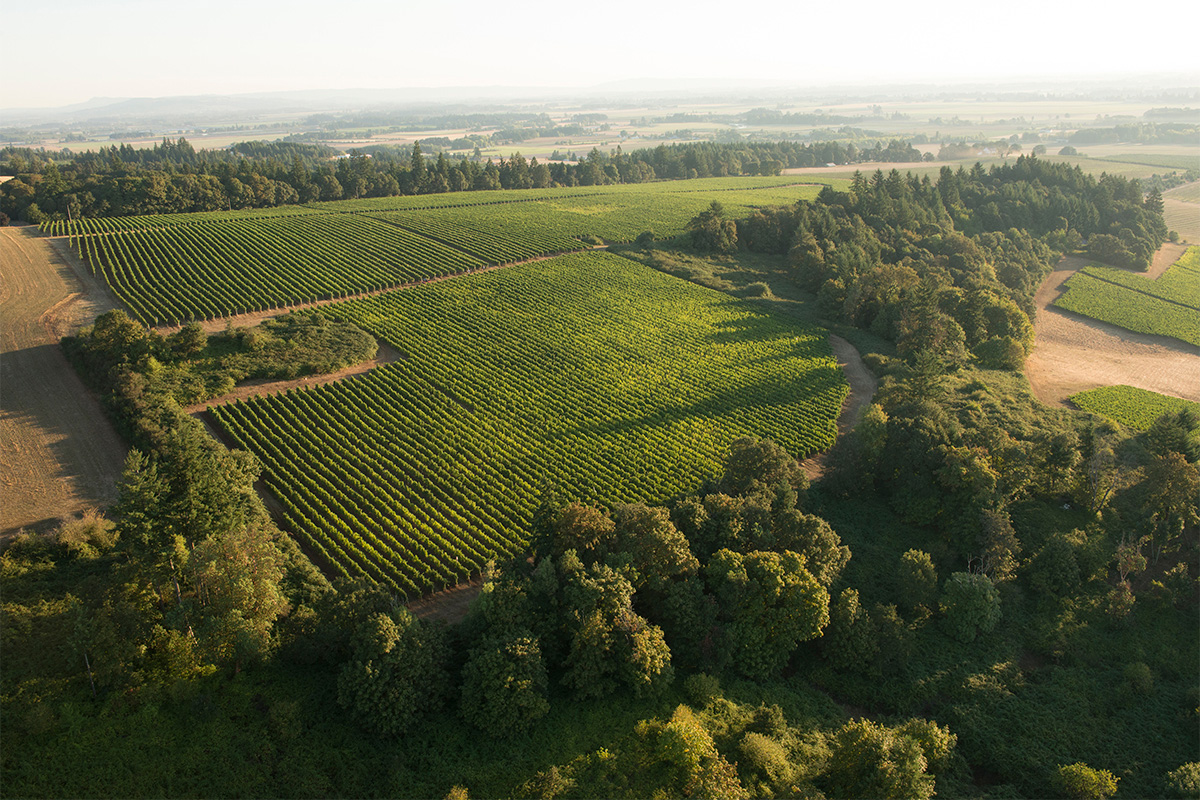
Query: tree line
{"x": 173, "y": 177}
{"x": 947, "y": 269}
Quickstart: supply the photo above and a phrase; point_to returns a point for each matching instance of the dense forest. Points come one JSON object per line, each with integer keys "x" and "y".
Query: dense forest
{"x": 982, "y": 597}
{"x": 173, "y": 177}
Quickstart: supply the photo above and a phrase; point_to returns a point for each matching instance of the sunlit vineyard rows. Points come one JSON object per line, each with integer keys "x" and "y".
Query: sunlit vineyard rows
{"x": 173, "y": 268}
{"x": 586, "y": 374}
{"x": 223, "y": 268}
{"x": 1136, "y": 408}
{"x": 1179, "y": 284}
{"x": 1131, "y": 309}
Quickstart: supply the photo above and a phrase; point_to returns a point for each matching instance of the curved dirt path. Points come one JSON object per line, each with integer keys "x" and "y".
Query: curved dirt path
{"x": 862, "y": 390}
{"x": 58, "y": 453}
{"x": 1073, "y": 353}
{"x": 265, "y": 386}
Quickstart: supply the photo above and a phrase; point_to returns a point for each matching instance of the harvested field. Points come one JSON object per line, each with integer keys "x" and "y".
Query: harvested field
{"x": 1073, "y": 353}
{"x": 58, "y": 453}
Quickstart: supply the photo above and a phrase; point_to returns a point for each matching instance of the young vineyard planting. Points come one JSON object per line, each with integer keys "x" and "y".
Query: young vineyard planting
{"x": 587, "y": 375}
{"x": 1168, "y": 306}
{"x": 1131, "y": 406}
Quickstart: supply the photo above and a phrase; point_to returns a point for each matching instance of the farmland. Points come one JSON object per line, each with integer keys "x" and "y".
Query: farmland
{"x": 1130, "y": 406}
{"x": 587, "y": 374}
{"x": 1169, "y": 306}
{"x": 173, "y": 268}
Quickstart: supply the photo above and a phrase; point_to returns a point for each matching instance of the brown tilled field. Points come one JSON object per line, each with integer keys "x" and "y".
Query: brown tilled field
{"x": 58, "y": 453}
{"x": 1073, "y": 353}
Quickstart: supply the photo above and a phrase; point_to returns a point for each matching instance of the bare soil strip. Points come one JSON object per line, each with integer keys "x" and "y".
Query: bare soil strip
{"x": 1073, "y": 353}
{"x": 449, "y": 605}
{"x": 862, "y": 390}
{"x": 58, "y": 453}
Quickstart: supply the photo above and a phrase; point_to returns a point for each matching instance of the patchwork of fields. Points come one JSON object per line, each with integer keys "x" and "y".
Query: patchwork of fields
{"x": 173, "y": 268}
{"x": 1168, "y": 306}
{"x": 586, "y": 374}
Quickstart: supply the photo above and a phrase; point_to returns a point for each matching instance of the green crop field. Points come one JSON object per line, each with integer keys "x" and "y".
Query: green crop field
{"x": 173, "y": 268}
{"x": 1173, "y": 161}
{"x": 218, "y": 269}
{"x": 1166, "y": 307}
{"x": 587, "y": 374}
{"x": 1136, "y": 408}
{"x": 1180, "y": 284}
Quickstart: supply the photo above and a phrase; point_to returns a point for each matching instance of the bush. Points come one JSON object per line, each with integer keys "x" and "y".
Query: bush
{"x": 504, "y": 684}
{"x": 1084, "y": 783}
{"x": 757, "y": 289}
{"x": 1138, "y": 678}
{"x": 396, "y": 674}
{"x": 918, "y": 579}
{"x": 701, "y": 688}
{"x": 1001, "y": 352}
{"x": 871, "y": 760}
{"x": 1184, "y": 781}
{"x": 970, "y": 605}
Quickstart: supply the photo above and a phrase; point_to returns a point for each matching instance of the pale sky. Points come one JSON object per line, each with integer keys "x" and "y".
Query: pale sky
{"x": 60, "y": 52}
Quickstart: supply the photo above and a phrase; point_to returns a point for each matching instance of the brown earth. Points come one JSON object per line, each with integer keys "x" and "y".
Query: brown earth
{"x": 449, "y": 605}
{"x": 862, "y": 390}
{"x": 58, "y": 453}
{"x": 1073, "y": 353}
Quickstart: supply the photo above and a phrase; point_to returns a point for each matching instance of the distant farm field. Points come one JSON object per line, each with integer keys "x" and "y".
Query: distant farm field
{"x": 1188, "y": 193}
{"x": 1169, "y": 306}
{"x": 173, "y": 268}
{"x": 1170, "y": 161}
{"x": 1136, "y": 408}
{"x": 588, "y": 374}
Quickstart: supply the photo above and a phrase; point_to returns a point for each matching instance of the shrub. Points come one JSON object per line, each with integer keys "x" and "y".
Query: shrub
{"x": 1084, "y": 783}
{"x": 918, "y": 579}
{"x": 970, "y": 605}
{"x": 1139, "y": 679}
{"x": 1001, "y": 352}
{"x": 504, "y": 684}
{"x": 1184, "y": 781}
{"x": 701, "y": 688}
{"x": 871, "y": 760}
{"x": 757, "y": 289}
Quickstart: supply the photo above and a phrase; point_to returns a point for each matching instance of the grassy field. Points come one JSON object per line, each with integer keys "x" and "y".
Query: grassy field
{"x": 588, "y": 374}
{"x": 1135, "y": 408}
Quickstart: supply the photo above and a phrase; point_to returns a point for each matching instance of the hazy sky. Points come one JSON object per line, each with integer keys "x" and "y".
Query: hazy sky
{"x": 68, "y": 51}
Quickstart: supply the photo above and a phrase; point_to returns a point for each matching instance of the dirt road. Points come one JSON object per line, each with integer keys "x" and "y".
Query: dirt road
{"x": 58, "y": 453}
{"x": 1073, "y": 353}
{"x": 862, "y": 390}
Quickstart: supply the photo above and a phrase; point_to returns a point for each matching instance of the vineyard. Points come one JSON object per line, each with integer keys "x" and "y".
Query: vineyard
{"x": 1168, "y": 306}
{"x": 218, "y": 269}
{"x": 1136, "y": 408}
{"x": 172, "y": 268}
{"x": 585, "y": 374}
